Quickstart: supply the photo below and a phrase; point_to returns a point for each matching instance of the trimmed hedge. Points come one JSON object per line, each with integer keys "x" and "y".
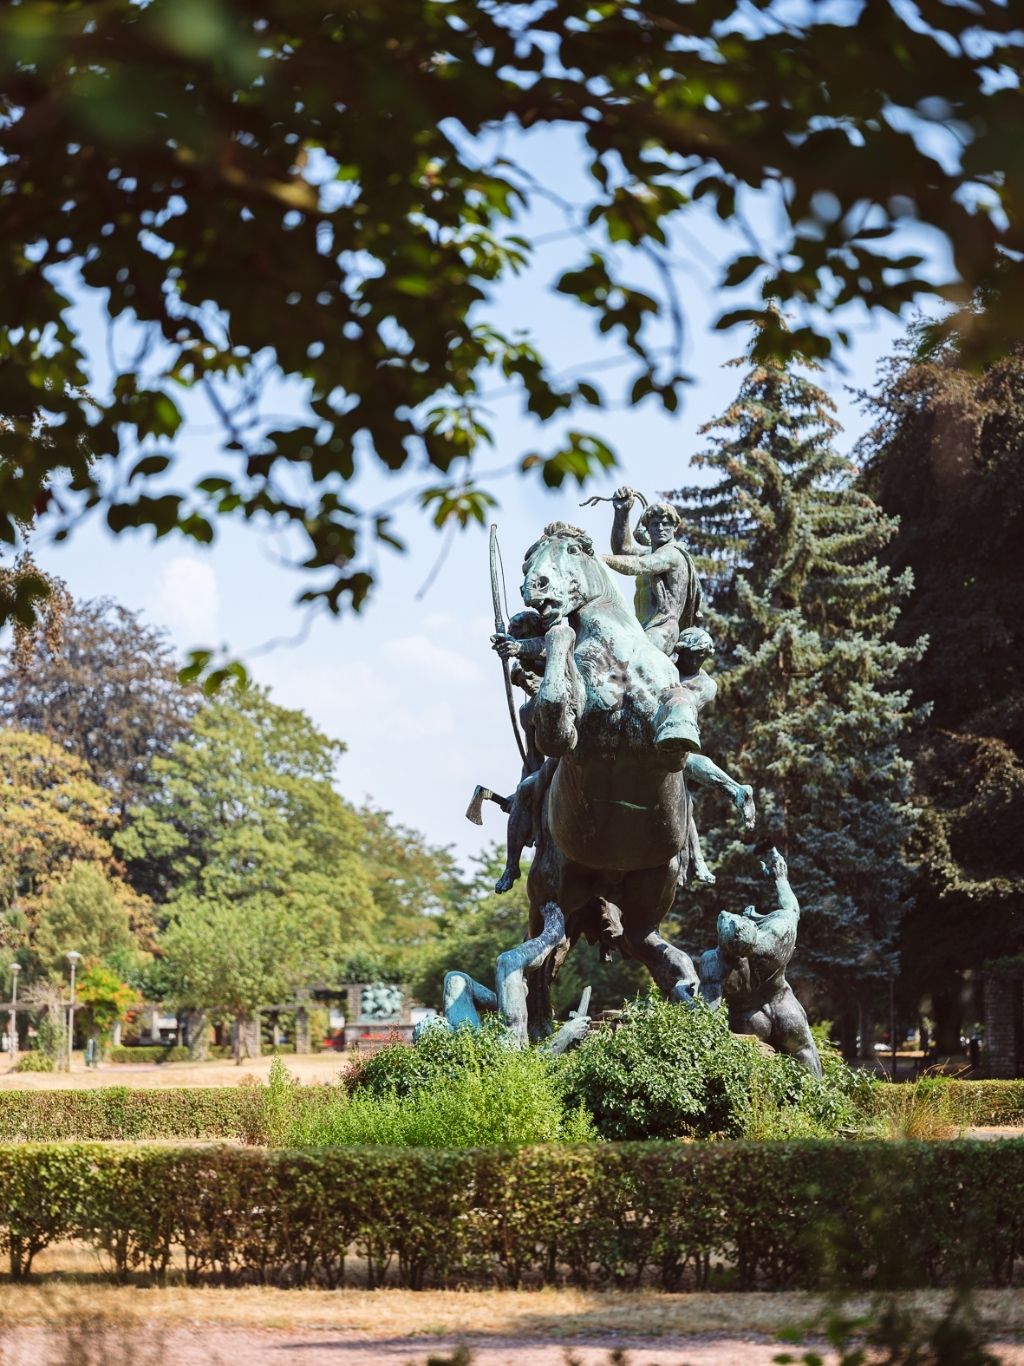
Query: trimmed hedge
{"x": 121, "y": 1112}
{"x": 148, "y": 1052}
{"x": 807, "y": 1214}
{"x": 165, "y": 1052}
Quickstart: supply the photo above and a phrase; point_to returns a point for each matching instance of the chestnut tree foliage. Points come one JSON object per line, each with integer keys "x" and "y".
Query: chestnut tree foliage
{"x": 106, "y": 691}
{"x": 310, "y": 191}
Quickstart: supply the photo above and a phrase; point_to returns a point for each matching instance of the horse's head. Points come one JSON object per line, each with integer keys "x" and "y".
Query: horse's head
{"x": 561, "y": 573}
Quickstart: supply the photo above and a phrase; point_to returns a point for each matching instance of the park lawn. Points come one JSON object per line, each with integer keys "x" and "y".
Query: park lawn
{"x": 64, "y": 1290}
{"x": 305, "y": 1067}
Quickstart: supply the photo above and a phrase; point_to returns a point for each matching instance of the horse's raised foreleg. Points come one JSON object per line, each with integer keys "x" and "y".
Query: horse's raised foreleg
{"x": 561, "y": 696}
{"x": 513, "y": 964}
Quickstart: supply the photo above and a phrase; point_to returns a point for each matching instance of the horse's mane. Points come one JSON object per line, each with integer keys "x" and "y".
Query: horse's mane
{"x": 567, "y": 532}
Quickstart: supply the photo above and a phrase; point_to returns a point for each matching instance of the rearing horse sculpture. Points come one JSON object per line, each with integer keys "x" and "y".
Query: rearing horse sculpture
{"x": 615, "y": 813}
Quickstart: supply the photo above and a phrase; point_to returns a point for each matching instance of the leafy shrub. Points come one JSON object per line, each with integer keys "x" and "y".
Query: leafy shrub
{"x": 274, "y": 1108}
{"x": 440, "y": 1056}
{"x": 794, "y": 1215}
{"x": 34, "y": 1062}
{"x": 472, "y": 1090}
{"x": 668, "y": 1072}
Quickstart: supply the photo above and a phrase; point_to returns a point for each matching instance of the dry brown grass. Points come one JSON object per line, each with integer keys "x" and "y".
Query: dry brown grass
{"x": 306, "y": 1067}
{"x": 386, "y": 1314}
{"x": 913, "y": 1111}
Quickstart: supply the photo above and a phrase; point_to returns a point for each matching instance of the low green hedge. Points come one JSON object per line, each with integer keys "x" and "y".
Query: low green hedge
{"x": 155, "y": 1052}
{"x": 121, "y": 1112}
{"x": 138, "y": 1113}
{"x": 166, "y": 1052}
{"x": 807, "y": 1214}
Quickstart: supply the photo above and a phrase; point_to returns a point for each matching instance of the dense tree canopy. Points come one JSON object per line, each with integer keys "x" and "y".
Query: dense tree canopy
{"x": 412, "y": 883}
{"x": 60, "y": 884}
{"x": 233, "y": 956}
{"x": 944, "y": 456}
{"x": 809, "y": 709}
{"x": 306, "y": 187}
{"x": 245, "y": 808}
{"x": 91, "y": 910}
{"x": 107, "y": 690}
{"x": 52, "y": 815}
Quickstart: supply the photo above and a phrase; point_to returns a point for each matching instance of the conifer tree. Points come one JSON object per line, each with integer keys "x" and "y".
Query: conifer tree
{"x": 808, "y": 709}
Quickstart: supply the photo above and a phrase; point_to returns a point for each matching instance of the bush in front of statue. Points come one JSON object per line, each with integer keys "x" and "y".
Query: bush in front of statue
{"x": 458, "y": 1088}
{"x": 670, "y": 1072}
{"x": 440, "y": 1056}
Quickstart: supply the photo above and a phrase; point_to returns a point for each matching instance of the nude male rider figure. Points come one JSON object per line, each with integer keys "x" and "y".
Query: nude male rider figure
{"x": 668, "y": 596}
{"x": 668, "y": 604}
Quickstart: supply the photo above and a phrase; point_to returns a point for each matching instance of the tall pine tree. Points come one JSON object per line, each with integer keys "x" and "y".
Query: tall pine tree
{"x": 808, "y": 709}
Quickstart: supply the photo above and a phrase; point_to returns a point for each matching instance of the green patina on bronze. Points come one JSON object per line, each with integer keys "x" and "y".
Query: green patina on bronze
{"x": 611, "y": 739}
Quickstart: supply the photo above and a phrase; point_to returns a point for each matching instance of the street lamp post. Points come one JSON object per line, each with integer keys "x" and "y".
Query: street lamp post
{"x": 74, "y": 959}
{"x": 13, "y": 1030}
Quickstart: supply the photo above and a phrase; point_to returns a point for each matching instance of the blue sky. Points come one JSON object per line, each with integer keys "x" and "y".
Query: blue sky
{"x": 410, "y": 683}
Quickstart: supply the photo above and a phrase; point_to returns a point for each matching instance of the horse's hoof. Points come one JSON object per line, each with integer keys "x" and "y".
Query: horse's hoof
{"x": 675, "y": 729}
{"x": 507, "y": 881}
{"x": 676, "y": 744}
{"x": 705, "y": 877}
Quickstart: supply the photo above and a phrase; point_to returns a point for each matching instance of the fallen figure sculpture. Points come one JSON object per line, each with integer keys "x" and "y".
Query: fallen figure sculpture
{"x": 465, "y": 999}
{"x": 747, "y": 971}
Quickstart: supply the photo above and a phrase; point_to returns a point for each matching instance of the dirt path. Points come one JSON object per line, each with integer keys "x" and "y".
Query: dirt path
{"x": 72, "y": 1322}
{"x": 143, "y": 1344}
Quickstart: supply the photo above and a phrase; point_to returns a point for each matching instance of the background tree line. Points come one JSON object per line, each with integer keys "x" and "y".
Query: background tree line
{"x": 195, "y": 850}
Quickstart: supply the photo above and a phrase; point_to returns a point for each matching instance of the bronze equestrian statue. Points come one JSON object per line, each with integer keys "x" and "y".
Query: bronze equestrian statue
{"x": 615, "y": 727}
{"x": 611, "y": 734}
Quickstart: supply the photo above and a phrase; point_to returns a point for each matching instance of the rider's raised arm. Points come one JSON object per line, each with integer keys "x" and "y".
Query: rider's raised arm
{"x": 622, "y": 534}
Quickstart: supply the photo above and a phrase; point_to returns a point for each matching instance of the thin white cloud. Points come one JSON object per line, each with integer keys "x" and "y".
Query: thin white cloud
{"x": 420, "y": 657}
{"x": 185, "y": 598}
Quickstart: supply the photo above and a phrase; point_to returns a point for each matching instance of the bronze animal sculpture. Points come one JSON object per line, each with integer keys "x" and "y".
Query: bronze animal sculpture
{"x": 614, "y": 822}
{"x": 611, "y": 735}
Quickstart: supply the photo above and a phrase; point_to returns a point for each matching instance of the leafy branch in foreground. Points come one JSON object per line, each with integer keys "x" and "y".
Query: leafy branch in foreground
{"x": 299, "y": 192}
